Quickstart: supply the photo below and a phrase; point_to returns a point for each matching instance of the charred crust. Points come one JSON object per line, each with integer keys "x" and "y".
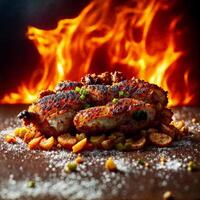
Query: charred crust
{"x": 89, "y": 79}
{"x": 62, "y": 100}
{"x": 67, "y": 85}
{"x": 45, "y": 93}
{"x": 24, "y": 115}
{"x": 117, "y": 76}
{"x": 105, "y": 78}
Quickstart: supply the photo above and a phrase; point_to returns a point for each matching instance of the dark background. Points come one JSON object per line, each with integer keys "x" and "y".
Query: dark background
{"x": 18, "y": 56}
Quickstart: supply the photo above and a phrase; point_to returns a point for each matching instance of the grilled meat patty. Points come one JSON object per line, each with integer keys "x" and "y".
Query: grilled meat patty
{"x": 134, "y": 88}
{"x": 127, "y": 114}
{"x": 54, "y": 113}
{"x": 138, "y": 89}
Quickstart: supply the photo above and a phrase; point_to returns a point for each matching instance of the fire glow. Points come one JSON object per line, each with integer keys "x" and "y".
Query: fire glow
{"x": 127, "y": 36}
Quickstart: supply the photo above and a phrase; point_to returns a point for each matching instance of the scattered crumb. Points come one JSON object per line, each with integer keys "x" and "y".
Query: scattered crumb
{"x": 194, "y": 120}
{"x": 167, "y": 195}
{"x": 163, "y": 160}
{"x": 192, "y": 166}
{"x": 79, "y": 146}
{"x": 141, "y": 162}
{"x": 91, "y": 181}
{"x": 147, "y": 165}
{"x": 110, "y": 164}
{"x": 10, "y": 139}
{"x": 70, "y": 167}
{"x": 31, "y": 184}
{"x": 79, "y": 159}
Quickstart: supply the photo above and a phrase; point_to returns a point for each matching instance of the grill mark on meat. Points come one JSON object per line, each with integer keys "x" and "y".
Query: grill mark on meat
{"x": 60, "y": 100}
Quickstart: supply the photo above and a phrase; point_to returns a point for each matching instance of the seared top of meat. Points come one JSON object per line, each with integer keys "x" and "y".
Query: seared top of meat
{"x": 144, "y": 91}
{"x": 98, "y": 94}
{"x": 134, "y": 88}
{"x": 54, "y": 111}
{"x": 106, "y": 86}
{"x": 45, "y": 93}
{"x": 67, "y": 85}
{"x": 114, "y": 115}
{"x": 58, "y": 102}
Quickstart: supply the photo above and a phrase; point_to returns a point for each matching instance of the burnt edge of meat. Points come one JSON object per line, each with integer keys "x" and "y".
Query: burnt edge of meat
{"x": 24, "y": 115}
{"x": 105, "y": 78}
{"x": 45, "y": 93}
{"x": 28, "y": 117}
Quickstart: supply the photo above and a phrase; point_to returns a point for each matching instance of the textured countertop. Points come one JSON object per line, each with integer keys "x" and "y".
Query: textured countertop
{"x": 91, "y": 181}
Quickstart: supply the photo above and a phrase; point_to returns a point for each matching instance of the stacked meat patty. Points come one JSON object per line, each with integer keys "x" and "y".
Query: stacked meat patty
{"x": 101, "y": 104}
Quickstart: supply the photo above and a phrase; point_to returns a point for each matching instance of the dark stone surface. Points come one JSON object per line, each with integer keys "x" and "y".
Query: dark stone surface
{"x": 91, "y": 181}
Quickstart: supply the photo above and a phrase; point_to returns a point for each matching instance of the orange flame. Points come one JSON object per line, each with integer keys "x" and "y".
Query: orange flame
{"x": 126, "y": 36}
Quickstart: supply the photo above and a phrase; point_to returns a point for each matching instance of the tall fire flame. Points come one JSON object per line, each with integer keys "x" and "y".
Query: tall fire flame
{"x": 112, "y": 36}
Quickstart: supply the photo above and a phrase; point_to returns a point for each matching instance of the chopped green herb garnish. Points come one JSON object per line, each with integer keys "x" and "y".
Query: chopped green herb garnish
{"x": 77, "y": 89}
{"x": 83, "y": 92}
{"x": 141, "y": 162}
{"x": 121, "y": 93}
{"x": 115, "y": 100}
{"x": 87, "y": 105}
{"x": 82, "y": 97}
{"x": 70, "y": 166}
{"x": 120, "y": 147}
{"x": 31, "y": 184}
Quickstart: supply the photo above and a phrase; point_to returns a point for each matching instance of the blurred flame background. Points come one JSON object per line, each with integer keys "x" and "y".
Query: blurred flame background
{"x": 149, "y": 39}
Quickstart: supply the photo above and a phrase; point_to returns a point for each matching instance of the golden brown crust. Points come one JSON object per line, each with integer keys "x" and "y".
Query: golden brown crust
{"x": 106, "y": 86}
{"x": 53, "y": 114}
{"x": 115, "y": 115}
{"x": 134, "y": 88}
{"x": 61, "y": 101}
{"x": 54, "y": 111}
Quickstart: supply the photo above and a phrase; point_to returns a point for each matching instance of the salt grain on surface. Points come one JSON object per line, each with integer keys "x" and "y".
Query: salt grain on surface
{"x": 91, "y": 181}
